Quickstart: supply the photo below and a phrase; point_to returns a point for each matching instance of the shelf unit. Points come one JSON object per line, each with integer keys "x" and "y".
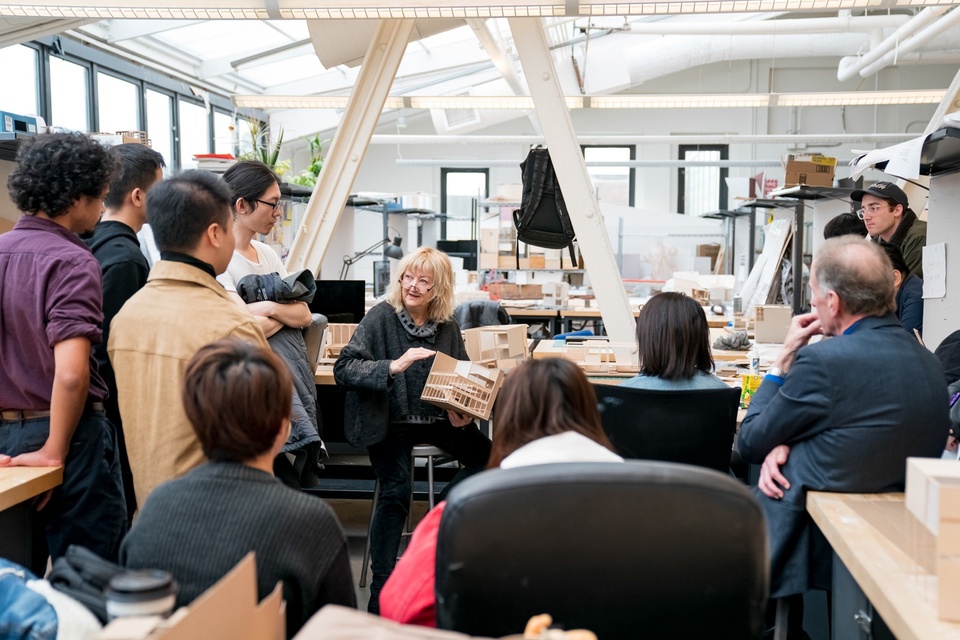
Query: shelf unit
{"x": 797, "y": 257}
{"x": 730, "y": 224}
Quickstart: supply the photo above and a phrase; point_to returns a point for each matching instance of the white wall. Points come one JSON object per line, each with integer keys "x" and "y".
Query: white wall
{"x": 656, "y": 187}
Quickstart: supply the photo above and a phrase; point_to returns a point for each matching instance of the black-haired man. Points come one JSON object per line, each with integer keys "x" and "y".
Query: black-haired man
{"x": 181, "y": 308}
{"x": 115, "y": 246}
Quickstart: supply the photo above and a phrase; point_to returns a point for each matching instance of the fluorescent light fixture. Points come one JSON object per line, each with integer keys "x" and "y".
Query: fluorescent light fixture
{"x": 623, "y": 101}
{"x": 857, "y": 98}
{"x": 420, "y": 9}
{"x": 640, "y": 101}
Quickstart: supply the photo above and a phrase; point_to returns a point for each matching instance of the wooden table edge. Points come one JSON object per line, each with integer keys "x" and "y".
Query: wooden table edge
{"x": 36, "y": 480}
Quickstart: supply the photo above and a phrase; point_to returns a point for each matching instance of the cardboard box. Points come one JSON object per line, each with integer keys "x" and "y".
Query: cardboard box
{"x": 489, "y": 240}
{"x": 812, "y": 170}
{"x": 462, "y": 386}
{"x": 511, "y": 291}
{"x": 926, "y": 477}
{"x": 772, "y": 322}
{"x": 228, "y": 609}
{"x": 711, "y": 251}
{"x": 538, "y": 261}
{"x": 486, "y": 345}
{"x": 948, "y": 552}
{"x": 507, "y": 262}
{"x": 489, "y": 261}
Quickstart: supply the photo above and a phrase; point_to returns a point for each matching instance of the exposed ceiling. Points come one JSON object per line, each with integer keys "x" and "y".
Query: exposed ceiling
{"x": 455, "y": 56}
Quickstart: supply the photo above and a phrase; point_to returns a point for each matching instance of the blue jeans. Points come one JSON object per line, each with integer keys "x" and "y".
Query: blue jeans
{"x": 88, "y": 508}
{"x": 390, "y": 460}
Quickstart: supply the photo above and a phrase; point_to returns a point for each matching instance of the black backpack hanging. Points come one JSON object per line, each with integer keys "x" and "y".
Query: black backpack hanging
{"x": 542, "y": 218}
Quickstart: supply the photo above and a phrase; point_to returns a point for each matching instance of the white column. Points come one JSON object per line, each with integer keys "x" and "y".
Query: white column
{"x": 547, "y": 94}
{"x": 349, "y": 144}
{"x": 941, "y": 316}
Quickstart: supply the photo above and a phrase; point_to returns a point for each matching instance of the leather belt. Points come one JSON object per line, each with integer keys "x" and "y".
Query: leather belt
{"x": 26, "y": 414}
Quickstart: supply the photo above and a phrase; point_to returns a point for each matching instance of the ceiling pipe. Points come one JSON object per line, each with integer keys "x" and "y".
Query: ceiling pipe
{"x": 853, "y": 66}
{"x": 843, "y": 23}
{"x": 922, "y": 37}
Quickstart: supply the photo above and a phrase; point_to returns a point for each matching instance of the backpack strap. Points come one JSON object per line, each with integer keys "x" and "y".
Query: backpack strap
{"x": 539, "y": 171}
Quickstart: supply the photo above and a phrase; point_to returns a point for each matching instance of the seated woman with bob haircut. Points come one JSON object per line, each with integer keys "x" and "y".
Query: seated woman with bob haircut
{"x": 197, "y": 527}
{"x": 674, "y": 341}
{"x": 546, "y": 413}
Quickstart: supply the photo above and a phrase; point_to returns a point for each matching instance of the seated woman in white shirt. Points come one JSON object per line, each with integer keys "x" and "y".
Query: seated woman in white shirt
{"x": 257, "y": 207}
{"x": 546, "y": 413}
{"x": 674, "y": 341}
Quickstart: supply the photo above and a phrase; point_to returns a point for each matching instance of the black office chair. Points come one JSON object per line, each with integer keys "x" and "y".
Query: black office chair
{"x": 692, "y": 427}
{"x": 640, "y": 549}
{"x": 480, "y": 313}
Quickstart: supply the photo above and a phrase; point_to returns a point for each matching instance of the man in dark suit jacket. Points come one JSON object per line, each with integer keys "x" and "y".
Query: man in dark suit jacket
{"x": 842, "y": 414}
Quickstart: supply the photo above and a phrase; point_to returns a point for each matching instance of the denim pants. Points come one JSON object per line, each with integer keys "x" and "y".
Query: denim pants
{"x": 88, "y": 508}
{"x": 390, "y": 459}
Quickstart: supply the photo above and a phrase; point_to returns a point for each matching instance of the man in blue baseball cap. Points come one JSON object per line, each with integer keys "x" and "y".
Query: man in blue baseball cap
{"x": 888, "y": 217}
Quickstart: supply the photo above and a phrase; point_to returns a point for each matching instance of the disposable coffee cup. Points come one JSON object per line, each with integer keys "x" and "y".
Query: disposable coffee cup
{"x": 148, "y": 592}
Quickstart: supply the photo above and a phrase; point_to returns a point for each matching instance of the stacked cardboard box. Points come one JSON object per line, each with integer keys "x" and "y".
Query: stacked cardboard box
{"x": 814, "y": 170}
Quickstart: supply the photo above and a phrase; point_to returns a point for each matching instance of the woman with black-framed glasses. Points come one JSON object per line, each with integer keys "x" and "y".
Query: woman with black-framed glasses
{"x": 384, "y": 368}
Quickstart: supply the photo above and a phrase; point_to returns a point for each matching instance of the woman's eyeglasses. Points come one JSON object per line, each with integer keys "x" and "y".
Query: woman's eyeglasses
{"x": 422, "y": 284}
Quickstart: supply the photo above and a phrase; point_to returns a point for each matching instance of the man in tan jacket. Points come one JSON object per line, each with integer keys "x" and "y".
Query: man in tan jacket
{"x": 162, "y": 326}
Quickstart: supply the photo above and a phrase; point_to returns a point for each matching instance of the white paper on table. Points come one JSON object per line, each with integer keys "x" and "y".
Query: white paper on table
{"x": 935, "y": 270}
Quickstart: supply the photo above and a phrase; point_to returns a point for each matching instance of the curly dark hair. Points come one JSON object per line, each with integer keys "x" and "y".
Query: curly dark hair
{"x": 55, "y": 169}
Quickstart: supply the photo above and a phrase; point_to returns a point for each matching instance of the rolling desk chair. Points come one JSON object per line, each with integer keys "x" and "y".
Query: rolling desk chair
{"x": 639, "y": 549}
{"x": 692, "y": 427}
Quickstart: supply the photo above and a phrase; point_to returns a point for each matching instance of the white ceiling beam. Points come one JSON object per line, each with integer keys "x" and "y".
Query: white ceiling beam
{"x": 120, "y": 30}
{"x": 252, "y": 58}
{"x": 17, "y": 31}
{"x": 349, "y": 144}
{"x": 578, "y": 193}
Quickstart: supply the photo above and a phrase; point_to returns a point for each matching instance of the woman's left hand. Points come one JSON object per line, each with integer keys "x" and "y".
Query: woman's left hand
{"x": 458, "y": 419}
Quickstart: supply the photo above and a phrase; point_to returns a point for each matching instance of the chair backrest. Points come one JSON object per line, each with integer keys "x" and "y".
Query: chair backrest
{"x": 480, "y": 313}
{"x": 313, "y": 337}
{"x": 692, "y": 427}
{"x": 640, "y": 549}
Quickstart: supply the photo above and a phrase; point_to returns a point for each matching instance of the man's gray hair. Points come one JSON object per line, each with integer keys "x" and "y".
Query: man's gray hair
{"x": 859, "y": 272}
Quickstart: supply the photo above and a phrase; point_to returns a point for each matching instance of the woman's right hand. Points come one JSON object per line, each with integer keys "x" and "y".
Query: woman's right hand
{"x": 412, "y": 355}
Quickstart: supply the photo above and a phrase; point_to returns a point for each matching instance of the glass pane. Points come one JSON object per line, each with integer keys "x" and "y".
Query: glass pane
{"x": 701, "y": 184}
{"x": 462, "y": 188}
{"x": 224, "y": 133}
{"x": 194, "y": 133}
{"x": 612, "y": 184}
{"x": 68, "y": 95}
{"x": 118, "y": 104}
{"x": 19, "y": 64}
{"x": 160, "y": 125}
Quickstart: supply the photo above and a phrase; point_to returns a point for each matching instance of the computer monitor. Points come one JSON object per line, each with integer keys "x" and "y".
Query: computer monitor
{"x": 340, "y": 300}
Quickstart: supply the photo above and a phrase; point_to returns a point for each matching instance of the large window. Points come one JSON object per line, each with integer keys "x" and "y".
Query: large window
{"x": 612, "y": 184}
{"x": 69, "y": 95}
{"x": 702, "y": 188}
{"x": 21, "y": 96}
{"x": 458, "y": 189}
{"x": 160, "y": 125}
{"x": 194, "y": 133}
{"x": 118, "y": 107}
{"x": 224, "y": 132}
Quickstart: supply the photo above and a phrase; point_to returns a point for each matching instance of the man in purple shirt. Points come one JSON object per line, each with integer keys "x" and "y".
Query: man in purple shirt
{"x": 51, "y": 396}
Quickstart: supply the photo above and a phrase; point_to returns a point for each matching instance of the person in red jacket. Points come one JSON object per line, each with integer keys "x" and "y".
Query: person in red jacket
{"x": 546, "y": 413}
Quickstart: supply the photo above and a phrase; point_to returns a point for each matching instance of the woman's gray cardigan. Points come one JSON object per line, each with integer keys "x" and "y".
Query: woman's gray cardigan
{"x": 375, "y": 399}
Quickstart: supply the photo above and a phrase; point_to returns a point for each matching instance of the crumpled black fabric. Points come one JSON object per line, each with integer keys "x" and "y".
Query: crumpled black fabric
{"x": 299, "y": 286}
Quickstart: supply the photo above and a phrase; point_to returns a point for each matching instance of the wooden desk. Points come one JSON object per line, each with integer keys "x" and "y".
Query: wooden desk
{"x": 18, "y": 485}
{"x": 890, "y": 555}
